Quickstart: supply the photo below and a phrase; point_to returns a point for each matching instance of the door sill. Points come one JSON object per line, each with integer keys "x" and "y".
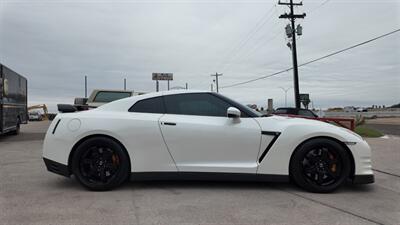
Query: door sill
{"x": 207, "y": 176}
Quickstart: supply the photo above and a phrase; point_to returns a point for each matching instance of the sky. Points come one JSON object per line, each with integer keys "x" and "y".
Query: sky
{"x": 54, "y": 44}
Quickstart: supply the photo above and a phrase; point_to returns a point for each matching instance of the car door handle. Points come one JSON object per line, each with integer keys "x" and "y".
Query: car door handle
{"x": 169, "y": 123}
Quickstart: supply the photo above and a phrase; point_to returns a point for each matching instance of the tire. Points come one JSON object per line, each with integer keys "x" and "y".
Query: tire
{"x": 320, "y": 165}
{"x": 100, "y": 164}
{"x": 17, "y": 128}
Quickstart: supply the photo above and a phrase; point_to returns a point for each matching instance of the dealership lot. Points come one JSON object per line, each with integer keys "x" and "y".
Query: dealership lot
{"x": 31, "y": 195}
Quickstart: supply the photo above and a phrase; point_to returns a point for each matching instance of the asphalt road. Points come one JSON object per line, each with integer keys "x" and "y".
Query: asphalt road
{"x": 386, "y": 128}
{"x": 389, "y": 126}
{"x": 31, "y": 195}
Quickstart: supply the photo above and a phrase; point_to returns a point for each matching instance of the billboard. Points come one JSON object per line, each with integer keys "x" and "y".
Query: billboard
{"x": 162, "y": 76}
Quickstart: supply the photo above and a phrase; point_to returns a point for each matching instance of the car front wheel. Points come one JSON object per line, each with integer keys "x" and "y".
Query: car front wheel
{"x": 320, "y": 165}
{"x": 100, "y": 164}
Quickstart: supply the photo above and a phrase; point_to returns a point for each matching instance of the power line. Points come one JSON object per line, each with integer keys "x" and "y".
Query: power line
{"x": 351, "y": 47}
{"x": 314, "y": 60}
{"x": 258, "y": 45}
{"x": 267, "y": 16}
{"x": 319, "y": 6}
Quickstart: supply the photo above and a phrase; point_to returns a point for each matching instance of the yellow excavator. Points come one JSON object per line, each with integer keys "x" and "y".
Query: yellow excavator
{"x": 43, "y": 107}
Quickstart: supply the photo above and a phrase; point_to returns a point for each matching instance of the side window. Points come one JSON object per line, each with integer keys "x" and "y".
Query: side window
{"x": 303, "y": 112}
{"x": 109, "y": 96}
{"x": 292, "y": 111}
{"x": 151, "y": 105}
{"x": 281, "y": 111}
{"x": 200, "y": 104}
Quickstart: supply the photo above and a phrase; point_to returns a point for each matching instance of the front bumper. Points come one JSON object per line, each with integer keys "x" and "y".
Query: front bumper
{"x": 56, "y": 167}
{"x": 364, "y": 179}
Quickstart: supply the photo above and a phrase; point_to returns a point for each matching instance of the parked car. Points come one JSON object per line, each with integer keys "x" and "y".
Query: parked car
{"x": 361, "y": 109}
{"x": 295, "y": 112}
{"x": 102, "y": 96}
{"x": 35, "y": 116}
{"x": 13, "y": 101}
{"x": 349, "y": 109}
{"x": 200, "y": 135}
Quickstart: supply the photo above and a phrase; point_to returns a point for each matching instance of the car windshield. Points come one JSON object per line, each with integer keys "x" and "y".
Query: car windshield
{"x": 281, "y": 111}
{"x": 248, "y": 110}
{"x": 254, "y": 111}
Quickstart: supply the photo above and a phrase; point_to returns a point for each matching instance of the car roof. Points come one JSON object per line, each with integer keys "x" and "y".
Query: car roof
{"x": 125, "y": 103}
{"x": 112, "y": 90}
{"x": 286, "y": 108}
{"x": 292, "y": 108}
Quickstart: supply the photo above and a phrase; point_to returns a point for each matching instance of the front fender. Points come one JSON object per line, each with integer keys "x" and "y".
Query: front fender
{"x": 278, "y": 157}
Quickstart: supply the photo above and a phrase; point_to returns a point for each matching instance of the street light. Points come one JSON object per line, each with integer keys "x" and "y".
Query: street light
{"x": 285, "y": 90}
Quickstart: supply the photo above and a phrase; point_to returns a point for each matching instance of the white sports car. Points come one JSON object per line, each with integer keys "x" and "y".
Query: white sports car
{"x": 201, "y": 135}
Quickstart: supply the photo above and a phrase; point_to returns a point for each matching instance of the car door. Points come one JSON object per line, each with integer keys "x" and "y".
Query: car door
{"x": 145, "y": 141}
{"x": 201, "y": 138}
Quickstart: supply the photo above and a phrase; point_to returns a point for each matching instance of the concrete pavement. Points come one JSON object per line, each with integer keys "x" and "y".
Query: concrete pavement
{"x": 31, "y": 195}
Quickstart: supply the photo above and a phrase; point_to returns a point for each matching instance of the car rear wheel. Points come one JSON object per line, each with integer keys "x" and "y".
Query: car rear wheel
{"x": 100, "y": 164}
{"x": 320, "y": 165}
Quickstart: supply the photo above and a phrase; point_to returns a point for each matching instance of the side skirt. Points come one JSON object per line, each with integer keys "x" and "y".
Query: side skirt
{"x": 207, "y": 176}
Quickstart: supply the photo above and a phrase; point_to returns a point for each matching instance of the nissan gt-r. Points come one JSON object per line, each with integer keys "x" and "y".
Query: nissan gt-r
{"x": 199, "y": 135}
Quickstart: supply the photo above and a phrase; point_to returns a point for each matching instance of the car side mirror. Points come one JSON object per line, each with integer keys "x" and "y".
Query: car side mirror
{"x": 233, "y": 112}
{"x": 65, "y": 108}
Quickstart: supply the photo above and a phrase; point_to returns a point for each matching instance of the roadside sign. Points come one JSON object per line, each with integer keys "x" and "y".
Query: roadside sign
{"x": 162, "y": 76}
{"x": 304, "y": 97}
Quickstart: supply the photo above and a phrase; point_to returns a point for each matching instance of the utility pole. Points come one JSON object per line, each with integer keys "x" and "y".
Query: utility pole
{"x": 157, "y": 86}
{"x": 186, "y": 86}
{"x": 85, "y": 86}
{"x": 212, "y": 88}
{"x": 168, "y": 85}
{"x": 291, "y": 33}
{"x": 216, "y": 75}
{"x": 124, "y": 84}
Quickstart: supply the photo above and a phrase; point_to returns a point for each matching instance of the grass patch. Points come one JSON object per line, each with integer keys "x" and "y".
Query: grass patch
{"x": 367, "y": 131}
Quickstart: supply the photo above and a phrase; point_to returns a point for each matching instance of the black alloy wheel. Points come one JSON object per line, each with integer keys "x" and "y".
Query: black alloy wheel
{"x": 320, "y": 165}
{"x": 100, "y": 164}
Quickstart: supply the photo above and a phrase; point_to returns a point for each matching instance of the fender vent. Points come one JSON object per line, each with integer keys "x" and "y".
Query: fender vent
{"x": 273, "y": 133}
{"x": 55, "y": 127}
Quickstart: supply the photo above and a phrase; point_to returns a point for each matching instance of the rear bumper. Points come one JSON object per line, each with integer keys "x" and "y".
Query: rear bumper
{"x": 364, "y": 179}
{"x": 56, "y": 167}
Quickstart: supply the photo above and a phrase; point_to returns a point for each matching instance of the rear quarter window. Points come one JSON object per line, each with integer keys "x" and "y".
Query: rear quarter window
{"x": 151, "y": 105}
